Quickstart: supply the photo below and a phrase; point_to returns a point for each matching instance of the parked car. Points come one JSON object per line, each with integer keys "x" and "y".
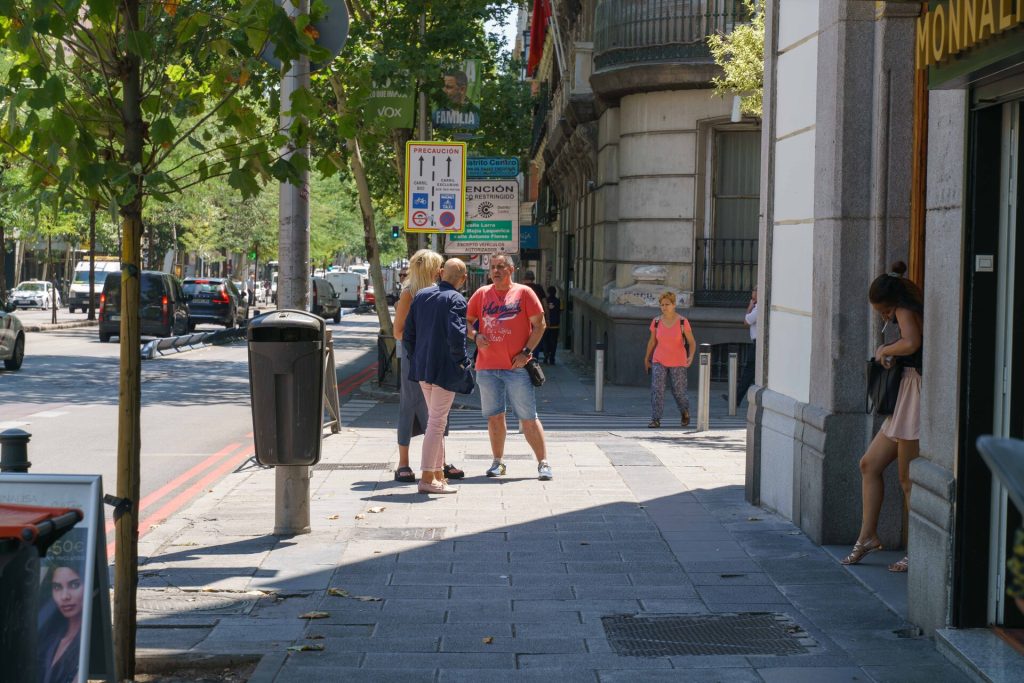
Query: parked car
{"x": 12, "y": 336}
{"x": 35, "y": 294}
{"x": 323, "y": 301}
{"x": 369, "y": 297}
{"x": 163, "y": 311}
{"x": 348, "y": 287}
{"x": 215, "y": 300}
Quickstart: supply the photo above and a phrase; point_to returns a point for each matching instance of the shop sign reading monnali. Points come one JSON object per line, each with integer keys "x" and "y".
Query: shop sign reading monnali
{"x": 949, "y": 28}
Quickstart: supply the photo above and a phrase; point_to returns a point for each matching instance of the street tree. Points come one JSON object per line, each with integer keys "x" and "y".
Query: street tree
{"x": 97, "y": 97}
{"x": 386, "y": 43}
{"x": 740, "y": 53}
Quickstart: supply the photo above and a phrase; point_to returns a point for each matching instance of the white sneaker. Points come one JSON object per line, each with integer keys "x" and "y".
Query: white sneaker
{"x": 497, "y": 469}
{"x": 544, "y": 471}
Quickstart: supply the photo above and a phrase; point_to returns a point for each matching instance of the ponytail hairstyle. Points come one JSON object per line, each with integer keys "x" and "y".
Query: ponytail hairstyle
{"x": 894, "y": 289}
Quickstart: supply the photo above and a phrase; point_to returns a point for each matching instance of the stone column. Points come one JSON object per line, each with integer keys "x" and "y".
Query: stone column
{"x": 851, "y": 194}
{"x": 931, "y": 502}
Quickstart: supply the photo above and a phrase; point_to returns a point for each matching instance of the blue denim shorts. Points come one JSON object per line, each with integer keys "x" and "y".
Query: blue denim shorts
{"x": 496, "y": 385}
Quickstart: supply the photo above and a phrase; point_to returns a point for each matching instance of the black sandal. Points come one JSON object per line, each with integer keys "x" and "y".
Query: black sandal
{"x": 405, "y": 475}
{"x": 452, "y": 472}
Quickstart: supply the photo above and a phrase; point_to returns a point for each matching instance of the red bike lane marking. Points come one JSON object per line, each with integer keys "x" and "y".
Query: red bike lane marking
{"x": 186, "y": 496}
{"x": 181, "y": 479}
{"x": 352, "y": 382}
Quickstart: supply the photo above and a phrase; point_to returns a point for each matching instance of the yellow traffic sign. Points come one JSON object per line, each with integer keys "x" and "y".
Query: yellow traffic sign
{"x": 435, "y": 187}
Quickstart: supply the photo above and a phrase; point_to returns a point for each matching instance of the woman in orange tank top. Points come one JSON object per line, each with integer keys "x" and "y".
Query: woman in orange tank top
{"x": 668, "y": 357}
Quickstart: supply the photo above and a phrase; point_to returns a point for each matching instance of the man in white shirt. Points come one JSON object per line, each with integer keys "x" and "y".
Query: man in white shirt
{"x": 747, "y": 376}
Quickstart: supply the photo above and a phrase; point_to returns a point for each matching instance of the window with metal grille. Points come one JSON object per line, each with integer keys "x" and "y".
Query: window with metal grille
{"x": 726, "y": 259}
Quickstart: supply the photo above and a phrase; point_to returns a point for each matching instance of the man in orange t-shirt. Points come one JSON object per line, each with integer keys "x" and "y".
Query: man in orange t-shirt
{"x": 511, "y": 324}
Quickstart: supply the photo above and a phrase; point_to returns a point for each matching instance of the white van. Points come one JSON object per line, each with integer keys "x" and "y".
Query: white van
{"x": 78, "y": 296}
{"x": 348, "y": 287}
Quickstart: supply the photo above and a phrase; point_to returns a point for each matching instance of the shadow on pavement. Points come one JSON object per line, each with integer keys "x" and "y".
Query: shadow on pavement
{"x": 449, "y": 588}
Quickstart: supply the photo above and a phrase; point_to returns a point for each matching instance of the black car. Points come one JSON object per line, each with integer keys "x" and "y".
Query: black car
{"x": 215, "y": 300}
{"x": 162, "y": 308}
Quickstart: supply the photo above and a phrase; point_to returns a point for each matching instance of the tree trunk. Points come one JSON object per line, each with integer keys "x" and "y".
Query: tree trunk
{"x": 92, "y": 259}
{"x": 51, "y": 269}
{"x": 3, "y": 262}
{"x": 399, "y": 137}
{"x": 19, "y": 260}
{"x": 370, "y": 238}
{"x": 369, "y": 228}
{"x": 126, "y": 575}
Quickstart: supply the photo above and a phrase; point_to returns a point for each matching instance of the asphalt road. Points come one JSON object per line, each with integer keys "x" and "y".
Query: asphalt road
{"x": 196, "y": 417}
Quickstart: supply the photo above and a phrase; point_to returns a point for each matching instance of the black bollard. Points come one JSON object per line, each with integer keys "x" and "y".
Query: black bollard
{"x": 14, "y": 451}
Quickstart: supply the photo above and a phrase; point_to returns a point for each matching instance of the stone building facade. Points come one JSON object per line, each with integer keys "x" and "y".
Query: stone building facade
{"x": 646, "y": 182}
{"x": 870, "y": 155}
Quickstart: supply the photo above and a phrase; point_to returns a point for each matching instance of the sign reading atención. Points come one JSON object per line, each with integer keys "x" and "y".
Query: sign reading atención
{"x": 492, "y": 219}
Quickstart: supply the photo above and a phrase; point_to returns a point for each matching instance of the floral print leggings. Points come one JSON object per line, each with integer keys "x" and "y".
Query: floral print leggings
{"x": 677, "y": 378}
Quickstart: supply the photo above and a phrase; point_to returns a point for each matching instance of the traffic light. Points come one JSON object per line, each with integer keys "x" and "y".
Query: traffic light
{"x": 395, "y": 232}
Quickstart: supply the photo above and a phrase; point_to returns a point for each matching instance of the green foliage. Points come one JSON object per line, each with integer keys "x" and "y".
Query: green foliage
{"x": 505, "y": 112}
{"x": 202, "y": 85}
{"x": 384, "y": 44}
{"x": 741, "y": 56}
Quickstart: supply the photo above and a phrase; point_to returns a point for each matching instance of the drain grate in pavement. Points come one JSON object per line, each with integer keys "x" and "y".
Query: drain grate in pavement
{"x": 351, "y": 466}
{"x": 187, "y": 603}
{"x": 403, "y": 534}
{"x": 755, "y": 633}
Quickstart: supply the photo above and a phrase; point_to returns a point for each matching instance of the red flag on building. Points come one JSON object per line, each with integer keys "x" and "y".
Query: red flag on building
{"x": 538, "y": 32}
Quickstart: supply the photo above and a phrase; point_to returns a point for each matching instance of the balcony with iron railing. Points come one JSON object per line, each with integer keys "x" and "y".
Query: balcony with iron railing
{"x": 641, "y": 44}
{"x": 725, "y": 271}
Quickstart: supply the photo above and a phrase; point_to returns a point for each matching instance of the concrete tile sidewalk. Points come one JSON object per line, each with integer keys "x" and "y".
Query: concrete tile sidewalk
{"x": 514, "y": 578}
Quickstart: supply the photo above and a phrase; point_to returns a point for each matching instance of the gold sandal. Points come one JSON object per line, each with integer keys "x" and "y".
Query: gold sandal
{"x": 900, "y": 567}
{"x": 861, "y": 550}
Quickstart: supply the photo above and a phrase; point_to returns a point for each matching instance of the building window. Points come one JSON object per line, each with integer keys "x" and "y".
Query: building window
{"x": 726, "y": 256}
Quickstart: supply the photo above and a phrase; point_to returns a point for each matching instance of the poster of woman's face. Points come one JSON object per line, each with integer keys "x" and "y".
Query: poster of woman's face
{"x": 62, "y": 601}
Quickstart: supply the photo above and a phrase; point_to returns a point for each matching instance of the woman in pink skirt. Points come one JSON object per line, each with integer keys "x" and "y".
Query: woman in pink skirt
{"x": 899, "y": 302}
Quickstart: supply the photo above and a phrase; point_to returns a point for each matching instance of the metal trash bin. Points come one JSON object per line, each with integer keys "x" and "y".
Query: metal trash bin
{"x": 287, "y": 352}
{"x": 25, "y": 534}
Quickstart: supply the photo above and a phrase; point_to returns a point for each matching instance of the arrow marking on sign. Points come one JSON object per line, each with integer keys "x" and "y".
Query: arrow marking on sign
{"x": 421, "y": 164}
{"x": 449, "y": 167}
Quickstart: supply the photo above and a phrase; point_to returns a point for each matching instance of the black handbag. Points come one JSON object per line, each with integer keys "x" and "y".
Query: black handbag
{"x": 536, "y": 372}
{"x": 883, "y": 387}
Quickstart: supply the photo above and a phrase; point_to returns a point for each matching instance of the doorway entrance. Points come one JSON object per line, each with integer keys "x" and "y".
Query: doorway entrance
{"x": 992, "y": 398}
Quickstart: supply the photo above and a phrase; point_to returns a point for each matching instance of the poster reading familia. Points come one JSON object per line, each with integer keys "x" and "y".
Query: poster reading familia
{"x": 460, "y": 109}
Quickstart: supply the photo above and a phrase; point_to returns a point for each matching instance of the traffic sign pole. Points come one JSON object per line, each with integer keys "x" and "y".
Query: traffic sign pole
{"x": 291, "y": 485}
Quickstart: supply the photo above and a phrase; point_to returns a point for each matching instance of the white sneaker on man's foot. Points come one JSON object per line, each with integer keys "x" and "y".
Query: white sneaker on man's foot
{"x": 497, "y": 469}
{"x": 544, "y": 471}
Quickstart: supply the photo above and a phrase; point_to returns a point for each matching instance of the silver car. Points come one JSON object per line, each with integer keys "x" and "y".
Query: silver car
{"x": 12, "y": 337}
{"x": 35, "y": 294}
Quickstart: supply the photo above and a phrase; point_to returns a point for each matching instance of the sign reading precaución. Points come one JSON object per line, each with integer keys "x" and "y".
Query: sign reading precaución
{"x": 492, "y": 219}
{"x": 435, "y": 186}
{"x": 492, "y": 167}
